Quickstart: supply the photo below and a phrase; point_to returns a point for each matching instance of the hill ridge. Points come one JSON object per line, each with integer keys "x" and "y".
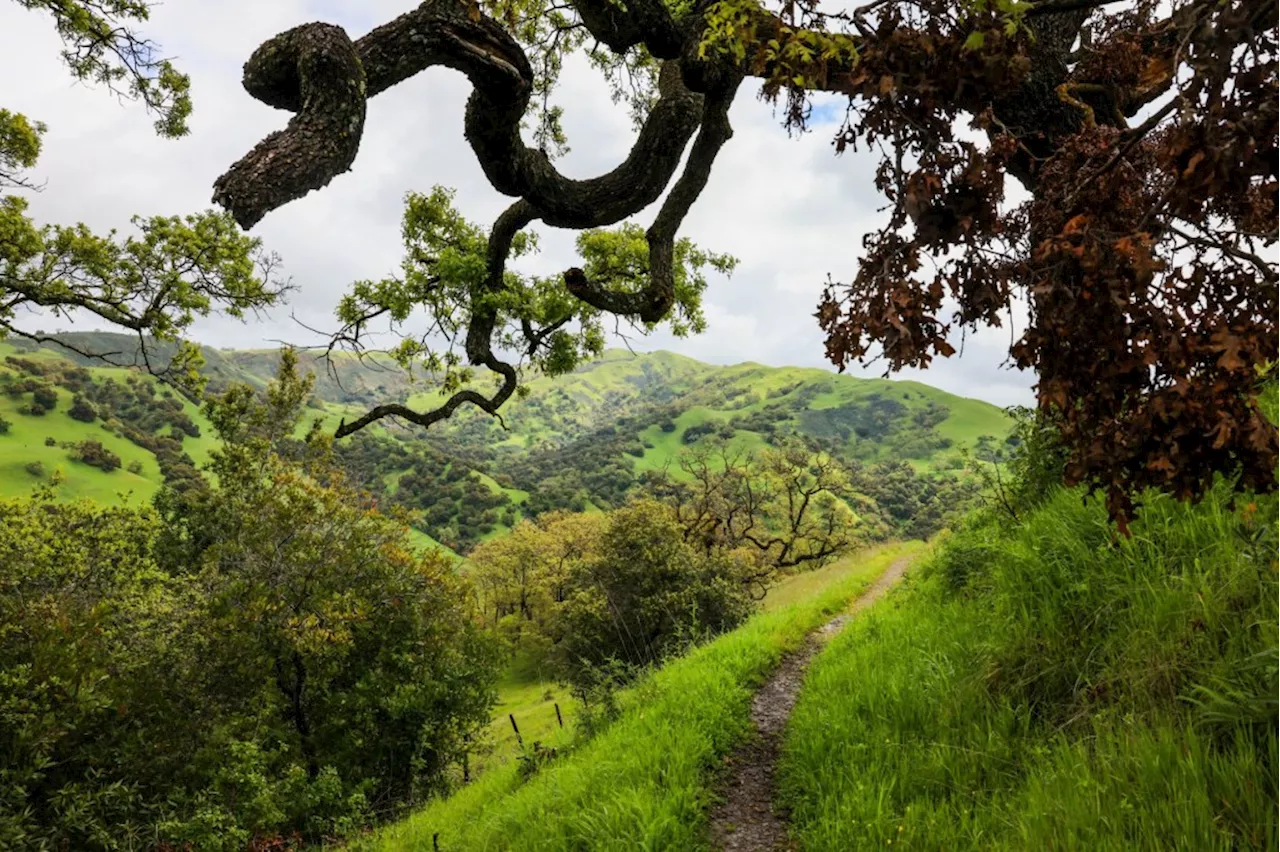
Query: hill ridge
{"x": 581, "y": 441}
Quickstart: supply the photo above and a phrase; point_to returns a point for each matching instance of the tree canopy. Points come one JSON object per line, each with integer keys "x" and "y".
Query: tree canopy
{"x": 1146, "y": 134}
{"x": 154, "y": 284}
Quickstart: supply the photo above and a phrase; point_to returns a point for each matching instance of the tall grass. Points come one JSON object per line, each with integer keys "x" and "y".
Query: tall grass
{"x": 1048, "y": 685}
{"x": 644, "y": 782}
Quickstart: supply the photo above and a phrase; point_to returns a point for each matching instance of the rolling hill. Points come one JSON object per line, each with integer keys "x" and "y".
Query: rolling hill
{"x": 582, "y": 441}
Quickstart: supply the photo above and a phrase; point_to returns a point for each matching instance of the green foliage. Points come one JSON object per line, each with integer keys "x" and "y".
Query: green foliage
{"x": 45, "y": 397}
{"x": 261, "y": 658}
{"x": 101, "y": 48}
{"x": 81, "y": 409}
{"x": 446, "y": 270}
{"x": 1051, "y": 685}
{"x": 19, "y": 144}
{"x": 603, "y": 595}
{"x": 912, "y": 505}
{"x": 176, "y": 269}
{"x": 92, "y": 453}
{"x": 642, "y": 782}
{"x": 646, "y": 594}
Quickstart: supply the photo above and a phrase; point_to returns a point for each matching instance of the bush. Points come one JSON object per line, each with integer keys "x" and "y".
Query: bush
{"x": 5, "y": 426}
{"x": 45, "y": 397}
{"x": 50, "y": 441}
{"x": 646, "y": 595}
{"x": 92, "y": 453}
{"x": 35, "y": 468}
{"x": 82, "y": 409}
{"x": 263, "y": 663}
{"x": 135, "y": 467}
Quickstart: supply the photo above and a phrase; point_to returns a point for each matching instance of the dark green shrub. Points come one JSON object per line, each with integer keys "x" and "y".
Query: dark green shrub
{"x": 45, "y": 397}
{"x": 82, "y": 409}
{"x": 262, "y": 662}
{"x": 646, "y": 595}
{"x": 94, "y": 454}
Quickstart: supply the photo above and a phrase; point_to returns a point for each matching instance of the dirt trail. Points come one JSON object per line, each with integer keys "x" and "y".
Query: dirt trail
{"x": 747, "y": 820}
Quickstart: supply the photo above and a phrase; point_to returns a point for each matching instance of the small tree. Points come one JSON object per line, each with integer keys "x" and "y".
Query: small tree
{"x": 45, "y": 397}
{"x": 94, "y": 454}
{"x": 82, "y": 409}
{"x": 645, "y": 594}
{"x": 784, "y": 505}
{"x": 318, "y": 607}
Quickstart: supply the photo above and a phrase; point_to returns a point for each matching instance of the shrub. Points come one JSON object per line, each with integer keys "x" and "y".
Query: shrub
{"x": 254, "y": 666}
{"x": 82, "y": 409}
{"x": 5, "y": 426}
{"x": 45, "y": 397}
{"x": 135, "y": 467}
{"x": 50, "y": 441}
{"x": 645, "y": 595}
{"x": 36, "y": 469}
{"x": 92, "y": 453}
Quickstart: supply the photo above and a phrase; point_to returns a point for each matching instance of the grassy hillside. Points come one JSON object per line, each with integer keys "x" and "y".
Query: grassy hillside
{"x": 26, "y": 443}
{"x": 861, "y": 415}
{"x": 1047, "y": 685}
{"x": 645, "y": 781}
{"x": 578, "y": 442}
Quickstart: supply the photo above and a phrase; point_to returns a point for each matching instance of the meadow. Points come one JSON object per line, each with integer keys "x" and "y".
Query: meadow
{"x": 646, "y": 780}
{"x": 1050, "y": 684}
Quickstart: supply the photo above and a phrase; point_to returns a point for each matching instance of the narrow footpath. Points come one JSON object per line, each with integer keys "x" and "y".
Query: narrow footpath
{"x": 746, "y": 820}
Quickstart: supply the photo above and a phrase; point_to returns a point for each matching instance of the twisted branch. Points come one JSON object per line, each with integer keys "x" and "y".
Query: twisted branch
{"x": 325, "y": 79}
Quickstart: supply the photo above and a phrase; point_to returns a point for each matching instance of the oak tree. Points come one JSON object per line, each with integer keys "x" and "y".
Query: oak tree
{"x": 1145, "y": 134}
{"x": 784, "y": 506}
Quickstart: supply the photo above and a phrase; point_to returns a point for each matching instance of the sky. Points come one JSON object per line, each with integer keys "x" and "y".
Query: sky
{"x": 788, "y": 208}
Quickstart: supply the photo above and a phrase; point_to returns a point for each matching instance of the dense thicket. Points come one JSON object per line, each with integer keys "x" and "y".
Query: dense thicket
{"x": 265, "y": 657}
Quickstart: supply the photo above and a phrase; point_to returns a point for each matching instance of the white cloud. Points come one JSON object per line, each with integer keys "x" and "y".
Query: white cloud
{"x": 789, "y": 209}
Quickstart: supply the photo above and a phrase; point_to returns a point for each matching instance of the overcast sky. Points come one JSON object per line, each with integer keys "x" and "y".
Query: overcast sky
{"x": 786, "y": 207}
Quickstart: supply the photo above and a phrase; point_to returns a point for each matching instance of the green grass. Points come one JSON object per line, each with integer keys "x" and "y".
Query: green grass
{"x": 1049, "y": 686}
{"x": 643, "y": 783}
{"x": 528, "y": 692}
{"x": 806, "y": 584}
{"x": 517, "y": 496}
{"x": 422, "y": 541}
{"x": 24, "y": 443}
